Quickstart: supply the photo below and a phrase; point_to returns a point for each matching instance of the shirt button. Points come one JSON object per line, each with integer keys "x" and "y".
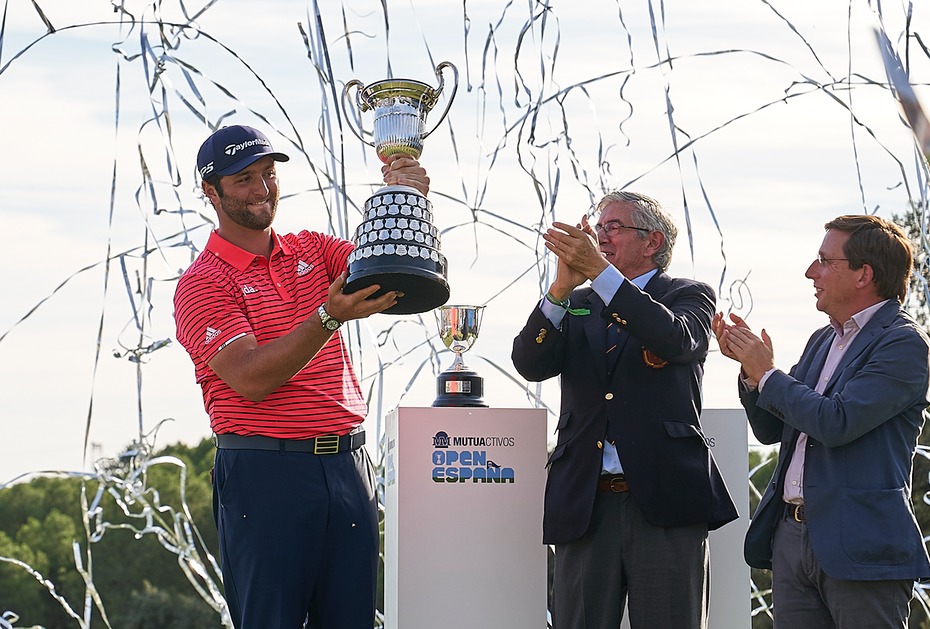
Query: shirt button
{"x": 609, "y": 396}
{"x": 795, "y": 483}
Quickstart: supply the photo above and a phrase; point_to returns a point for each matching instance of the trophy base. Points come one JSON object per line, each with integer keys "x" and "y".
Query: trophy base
{"x": 423, "y": 289}
{"x": 397, "y": 247}
{"x": 459, "y": 388}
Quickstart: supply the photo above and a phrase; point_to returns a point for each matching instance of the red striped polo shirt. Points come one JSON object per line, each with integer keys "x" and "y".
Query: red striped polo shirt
{"x": 228, "y": 293}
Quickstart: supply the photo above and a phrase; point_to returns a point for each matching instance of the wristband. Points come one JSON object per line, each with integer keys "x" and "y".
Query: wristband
{"x": 578, "y": 312}
{"x": 552, "y": 300}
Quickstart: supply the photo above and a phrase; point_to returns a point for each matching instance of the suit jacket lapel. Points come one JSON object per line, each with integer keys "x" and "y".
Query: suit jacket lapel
{"x": 876, "y": 324}
{"x": 815, "y": 366}
{"x": 594, "y": 326}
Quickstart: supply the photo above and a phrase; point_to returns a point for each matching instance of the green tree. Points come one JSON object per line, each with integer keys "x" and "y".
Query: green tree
{"x": 151, "y": 608}
{"x": 41, "y": 520}
{"x": 19, "y": 591}
{"x": 914, "y": 223}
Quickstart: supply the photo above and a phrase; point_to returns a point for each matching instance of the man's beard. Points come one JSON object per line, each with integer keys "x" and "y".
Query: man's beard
{"x": 239, "y": 213}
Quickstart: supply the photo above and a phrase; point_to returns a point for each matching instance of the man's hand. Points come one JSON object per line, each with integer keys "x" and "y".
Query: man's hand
{"x": 566, "y": 277}
{"x": 403, "y": 170}
{"x": 720, "y": 328}
{"x": 577, "y": 248}
{"x": 755, "y": 355}
{"x": 343, "y": 307}
{"x": 566, "y": 280}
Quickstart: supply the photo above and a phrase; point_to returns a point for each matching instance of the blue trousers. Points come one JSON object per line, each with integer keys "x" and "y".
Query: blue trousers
{"x": 298, "y": 538}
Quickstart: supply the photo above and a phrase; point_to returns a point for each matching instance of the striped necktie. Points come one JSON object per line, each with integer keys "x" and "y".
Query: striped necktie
{"x": 611, "y": 337}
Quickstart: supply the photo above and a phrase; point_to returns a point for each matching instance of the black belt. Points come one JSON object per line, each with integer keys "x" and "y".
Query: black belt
{"x": 615, "y": 483}
{"x": 795, "y": 512}
{"x": 324, "y": 444}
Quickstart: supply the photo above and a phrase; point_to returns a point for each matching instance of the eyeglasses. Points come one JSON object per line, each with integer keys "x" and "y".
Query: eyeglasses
{"x": 822, "y": 261}
{"x": 612, "y": 228}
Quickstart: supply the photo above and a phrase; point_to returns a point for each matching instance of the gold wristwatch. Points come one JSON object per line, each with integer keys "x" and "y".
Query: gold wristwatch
{"x": 328, "y": 322}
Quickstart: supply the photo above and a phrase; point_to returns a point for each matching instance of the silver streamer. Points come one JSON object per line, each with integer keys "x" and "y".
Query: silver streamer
{"x": 534, "y": 138}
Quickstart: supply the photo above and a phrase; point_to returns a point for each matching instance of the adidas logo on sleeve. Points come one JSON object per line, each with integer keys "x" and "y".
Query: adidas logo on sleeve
{"x": 211, "y": 334}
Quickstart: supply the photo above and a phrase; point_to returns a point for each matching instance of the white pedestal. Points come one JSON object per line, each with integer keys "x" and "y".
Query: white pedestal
{"x": 463, "y": 518}
{"x": 461, "y": 554}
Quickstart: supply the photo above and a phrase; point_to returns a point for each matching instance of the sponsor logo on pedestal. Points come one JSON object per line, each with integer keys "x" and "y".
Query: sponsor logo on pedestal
{"x": 459, "y": 459}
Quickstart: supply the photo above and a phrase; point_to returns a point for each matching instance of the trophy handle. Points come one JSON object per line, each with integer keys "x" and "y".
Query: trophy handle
{"x": 362, "y": 106}
{"x": 455, "y": 87}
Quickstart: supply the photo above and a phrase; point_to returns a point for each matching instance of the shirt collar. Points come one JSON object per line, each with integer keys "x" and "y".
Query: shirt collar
{"x": 237, "y": 256}
{"x": 641, "y": 281}
{"x": 858, "y": 320}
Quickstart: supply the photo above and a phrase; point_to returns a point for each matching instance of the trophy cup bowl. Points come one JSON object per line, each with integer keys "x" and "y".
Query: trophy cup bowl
{"x": 459, "y": 385}
{"x": 396, "y": 245}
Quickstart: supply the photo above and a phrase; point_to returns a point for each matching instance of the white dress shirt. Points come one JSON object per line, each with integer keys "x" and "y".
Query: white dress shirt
{"x": 606, "y": 286}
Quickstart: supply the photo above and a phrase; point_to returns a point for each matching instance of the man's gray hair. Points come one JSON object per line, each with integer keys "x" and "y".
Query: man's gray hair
{"x": 648, "y": 214}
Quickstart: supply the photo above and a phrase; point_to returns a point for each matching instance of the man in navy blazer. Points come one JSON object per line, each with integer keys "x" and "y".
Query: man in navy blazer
{"x": 835, "y": 524}
{"x": 632, "y": 487}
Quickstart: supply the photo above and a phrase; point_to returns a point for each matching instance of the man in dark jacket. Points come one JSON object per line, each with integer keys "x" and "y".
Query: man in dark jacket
{"x": 632, "y": 488}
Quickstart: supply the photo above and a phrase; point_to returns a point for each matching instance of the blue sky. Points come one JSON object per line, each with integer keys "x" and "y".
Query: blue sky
{"x": 554, "y": 107}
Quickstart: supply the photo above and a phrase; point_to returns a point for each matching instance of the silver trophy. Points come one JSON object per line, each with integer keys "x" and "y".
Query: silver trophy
{"x": 396, "y": 245}
{"x": 459, "y": 385}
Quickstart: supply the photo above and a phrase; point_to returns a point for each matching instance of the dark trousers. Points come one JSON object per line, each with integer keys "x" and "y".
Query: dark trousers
{"x": 806, "y": 598}
{"x": 298, "y": 538}
{"x": 663, "y": 573}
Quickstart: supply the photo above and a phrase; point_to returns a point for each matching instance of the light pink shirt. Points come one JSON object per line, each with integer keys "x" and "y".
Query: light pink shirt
{"x": 794, "y": 478}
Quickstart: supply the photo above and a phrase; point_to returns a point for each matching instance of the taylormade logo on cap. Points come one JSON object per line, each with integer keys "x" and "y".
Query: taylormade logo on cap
{"x": 231, "y": 149}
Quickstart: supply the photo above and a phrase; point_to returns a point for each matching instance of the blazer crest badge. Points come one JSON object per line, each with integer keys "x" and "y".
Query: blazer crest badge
{"x": 652, "y": 360}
